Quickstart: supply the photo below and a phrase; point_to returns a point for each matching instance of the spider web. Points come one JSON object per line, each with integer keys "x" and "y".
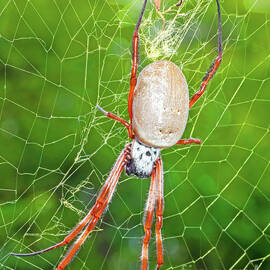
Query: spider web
{"x": 58, "y": 59}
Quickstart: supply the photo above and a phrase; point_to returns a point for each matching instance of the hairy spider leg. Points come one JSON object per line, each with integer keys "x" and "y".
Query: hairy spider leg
{"x": 149, "y": 212}
{"x": 97, "y": 212}
{"x": 213, "y": 68}
{"x": 74, "y": 249}
{"x": 159, "y": 211}
{"x": 94, "y": 214}
{"x": 133, "y": 78}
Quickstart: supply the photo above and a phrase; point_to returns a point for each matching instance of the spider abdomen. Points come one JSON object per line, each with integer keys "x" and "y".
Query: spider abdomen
{"x": 160, "y": 105}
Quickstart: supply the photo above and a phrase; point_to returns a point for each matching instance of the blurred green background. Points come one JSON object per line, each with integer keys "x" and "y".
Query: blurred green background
{"x": 58, "y": 59}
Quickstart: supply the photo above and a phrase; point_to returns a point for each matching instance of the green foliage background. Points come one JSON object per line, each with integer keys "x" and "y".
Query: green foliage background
{"x": 58, "y": 59}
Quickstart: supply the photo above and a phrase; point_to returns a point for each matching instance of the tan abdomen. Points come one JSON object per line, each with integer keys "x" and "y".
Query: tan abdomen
{"x": 160, "y": 104}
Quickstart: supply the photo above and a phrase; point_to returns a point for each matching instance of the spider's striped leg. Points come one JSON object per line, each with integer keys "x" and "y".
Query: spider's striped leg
{"x": 133, "y": 79}
{"x": 99, "y": 207}
{"x": 188, "y": 141}
{"x": 149, "y": 212}
{"x": 159, "y": 211}
{"x": 97, "y": 211}
{"x": 213, "y": 68}
{"x": 74, "y": 249}
{"x": 94, "y": 214}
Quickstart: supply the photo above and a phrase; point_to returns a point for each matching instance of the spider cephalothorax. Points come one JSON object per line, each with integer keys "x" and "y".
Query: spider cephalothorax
{"x": 141, "y": 159}
{"x": 158, "y": 106}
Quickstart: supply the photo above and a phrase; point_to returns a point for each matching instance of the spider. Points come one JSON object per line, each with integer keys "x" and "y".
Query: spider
{"x": 158, "y": 106}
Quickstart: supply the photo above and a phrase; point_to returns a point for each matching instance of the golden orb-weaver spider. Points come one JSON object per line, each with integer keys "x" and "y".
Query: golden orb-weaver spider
{"x": 158, "y": 106}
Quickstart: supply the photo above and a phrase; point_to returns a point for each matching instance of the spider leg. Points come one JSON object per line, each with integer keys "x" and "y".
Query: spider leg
{"x": 149, "y": 210}
{"x": 159, "y": 211}
{"x": 74, "y": 249}
{"x": 97, "y": 212}
{"x": 179, "y": 3}
{"x": 133, "y": 79}
{"x": 67, "y": 239}
{"x": 94, "y": 214}
{"x": 119, "y": 119}
{"x": 213, "y": 68}
{"x": 188, "y": 141}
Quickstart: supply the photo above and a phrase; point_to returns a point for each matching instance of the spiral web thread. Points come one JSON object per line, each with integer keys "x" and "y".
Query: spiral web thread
{"x": 59, "y": 59}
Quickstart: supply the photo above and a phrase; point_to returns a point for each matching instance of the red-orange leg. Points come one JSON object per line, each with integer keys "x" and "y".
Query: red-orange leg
{"x": 99, "y": 207}
{"x": 159, "y": 211}
{"x": 119, "y": 119}
{"x": 213, "y": 68}
{"x": 67, "y": 239}
{"x": 133, "y": 78}
{"x": 72, "y": 252}
{"x": 135, "y": 45}
{"x": 94, "y": 214}
{"x": 188, "y": 141}
{"x": 149, "y": 210}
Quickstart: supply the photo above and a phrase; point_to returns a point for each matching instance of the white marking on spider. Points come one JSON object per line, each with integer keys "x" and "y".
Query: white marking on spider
{"x": 144, "y": 158}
